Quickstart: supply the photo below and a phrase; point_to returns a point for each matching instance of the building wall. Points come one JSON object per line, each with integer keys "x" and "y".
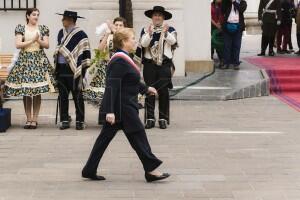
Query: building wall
{"x": 191, "y": 20}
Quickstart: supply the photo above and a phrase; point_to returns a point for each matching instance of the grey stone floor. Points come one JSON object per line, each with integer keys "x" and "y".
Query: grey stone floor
{"x": 233, "y": 150}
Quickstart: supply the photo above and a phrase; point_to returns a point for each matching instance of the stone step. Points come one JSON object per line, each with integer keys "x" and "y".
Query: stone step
{"x": 227, "y": 85}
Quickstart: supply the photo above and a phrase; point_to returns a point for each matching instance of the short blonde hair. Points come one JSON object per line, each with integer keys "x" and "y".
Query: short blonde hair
{"x": 121, "y": 36}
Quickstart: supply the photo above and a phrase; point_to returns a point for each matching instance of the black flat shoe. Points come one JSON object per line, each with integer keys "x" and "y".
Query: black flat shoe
{"x": 261, "y": 54}
{"x": 79, "y": 126}
{"x": 162, "y": 124}
{"x": 64, "y": 125}
{"x": 93, "y": 177}
{"x": 151, "y": 178}
{"x": 150, "y": 124}
{"x": 33, "y": 125}
{"x": 27, "y": 125}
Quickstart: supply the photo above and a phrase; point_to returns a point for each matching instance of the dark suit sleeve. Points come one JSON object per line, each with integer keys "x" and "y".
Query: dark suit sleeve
{"x": 278, "y": 8}
{"x": 143, "y": 89}
{"x": 243, "y": 6}
{"x": 260, "y": 10}
{"x": 115, "y": 73}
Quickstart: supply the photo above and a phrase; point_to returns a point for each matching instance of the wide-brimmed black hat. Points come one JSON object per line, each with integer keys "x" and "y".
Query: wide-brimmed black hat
{"x": 159, "y": 9}
{"x": 71, "y": 14}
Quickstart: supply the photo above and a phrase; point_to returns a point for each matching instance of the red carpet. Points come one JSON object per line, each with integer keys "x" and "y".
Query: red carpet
{"x": 284, "y": 73}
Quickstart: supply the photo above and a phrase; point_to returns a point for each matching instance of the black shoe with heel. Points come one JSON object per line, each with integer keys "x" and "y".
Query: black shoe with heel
{"x": 151, "y": 178}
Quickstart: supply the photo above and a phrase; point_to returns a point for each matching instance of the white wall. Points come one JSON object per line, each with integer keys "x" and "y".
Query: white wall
{"x": 197, "y": 29}
{"x": 191, "y": 20}
{"x": 9, "y": 20}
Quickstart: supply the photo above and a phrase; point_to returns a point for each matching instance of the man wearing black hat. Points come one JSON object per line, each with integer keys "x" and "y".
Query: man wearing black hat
{"x": 72, "y": 58}
{"x": 158, "y": 42}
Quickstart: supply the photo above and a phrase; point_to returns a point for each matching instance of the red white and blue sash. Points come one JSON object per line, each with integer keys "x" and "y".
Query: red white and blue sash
{"x": 125, "y": 57}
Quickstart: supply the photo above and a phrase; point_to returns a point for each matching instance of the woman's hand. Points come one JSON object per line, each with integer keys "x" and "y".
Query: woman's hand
{"x": 152, "y": 91}
{"x": 110, "y": 118}
{"x": 36, "y": 38}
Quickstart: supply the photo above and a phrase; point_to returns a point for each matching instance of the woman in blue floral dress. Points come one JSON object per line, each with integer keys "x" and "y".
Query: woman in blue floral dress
{"x": 32, "y": 74}
{"x": 94, "y": 92}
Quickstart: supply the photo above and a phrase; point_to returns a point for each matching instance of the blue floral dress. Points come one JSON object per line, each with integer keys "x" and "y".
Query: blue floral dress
{"x": 94, "y": 92}
{"x": 32, "y": 73}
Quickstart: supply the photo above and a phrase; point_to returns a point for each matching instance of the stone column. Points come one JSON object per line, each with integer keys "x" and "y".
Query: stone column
{"x": 197, "y": 25}
{"x": 251, "y": 18}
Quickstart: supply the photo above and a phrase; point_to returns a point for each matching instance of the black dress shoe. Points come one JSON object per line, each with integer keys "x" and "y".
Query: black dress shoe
{"x": 149, "y": 124}
{"x": 79, "y": 126}
{"x": 271, "y": 53}
{"x": 93, "y": 177}
{"x": 162, "y": 124}
{"x": 261, "y": 54}
{"x": 151, "y": 178}
{"x": 64, "y": 125}
{"x": 236, "y": 67}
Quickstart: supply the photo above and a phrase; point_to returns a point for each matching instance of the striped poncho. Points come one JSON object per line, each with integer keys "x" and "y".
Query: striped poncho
{"x": 75, "y": 47}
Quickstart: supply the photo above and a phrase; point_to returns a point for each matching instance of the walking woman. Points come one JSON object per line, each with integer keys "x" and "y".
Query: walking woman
{"x": 234, "y": 25}
{"x": 95, "y": 90}
{"x": 32, "y": 74}
{"x": 119, "y": 110}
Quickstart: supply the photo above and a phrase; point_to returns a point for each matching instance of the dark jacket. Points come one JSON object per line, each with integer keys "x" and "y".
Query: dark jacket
{"x": 287, "y": 15}
{"x": 123, "y": 84}
{"x": 241, "y": 7}
{"x": 269, "y": 17}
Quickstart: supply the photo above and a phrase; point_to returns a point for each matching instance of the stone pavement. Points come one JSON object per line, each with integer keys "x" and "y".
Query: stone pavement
{"x": 229, "y": 150}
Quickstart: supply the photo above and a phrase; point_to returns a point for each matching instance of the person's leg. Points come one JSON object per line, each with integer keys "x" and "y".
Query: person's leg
{"x": 279, "y": 39}
{"x": 264, "y": 45}
{"x": 79, "y": 102}
{"x": 150, "y": 78}
{"x": 285, "y": 38}
{"x": 27, "y": 101}
{"x": 290, "y": 42}
{"x": 139, "y": 142}
{"x": 236, "y": 49}
{"x": 108, "y": 132}
{"x": 271, "y": 45}
{"x": 64, "y": 91}
{"x": 36, "y": 109}
{"x": 227, "y": 48}
{"x": 164, "y": 74}
{"x": 298, "y": 42}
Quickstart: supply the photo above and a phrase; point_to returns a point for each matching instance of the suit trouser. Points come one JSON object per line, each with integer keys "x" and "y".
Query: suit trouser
{"x": 298, "y": 40}
{"x": 67, "y": 84}
{"x": 267, "y": 41}
{"x": 138, "y": 141}
{"x": 283, "y": 32}
{"x": 232, "y": 47}
{"x": 158, "y": 77}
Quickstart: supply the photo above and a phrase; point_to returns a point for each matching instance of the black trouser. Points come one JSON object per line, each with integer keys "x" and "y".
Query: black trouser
{"x": 267, "y": 41}
{"x": 67, "y": 84}
{"x": 298, "y": 40}
{"x": 138, "y": 141}
{"x": 158, "y": 77}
